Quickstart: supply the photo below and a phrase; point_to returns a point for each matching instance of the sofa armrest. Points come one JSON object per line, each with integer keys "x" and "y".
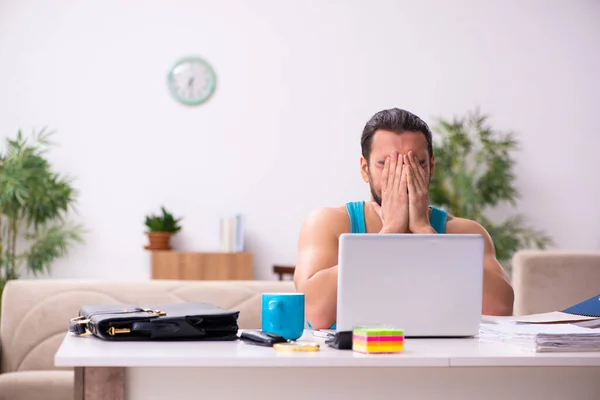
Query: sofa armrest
{"x": 546, "y": 281}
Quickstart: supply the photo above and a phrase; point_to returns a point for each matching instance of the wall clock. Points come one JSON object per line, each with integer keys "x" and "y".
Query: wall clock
{"x": 191, "y": 81}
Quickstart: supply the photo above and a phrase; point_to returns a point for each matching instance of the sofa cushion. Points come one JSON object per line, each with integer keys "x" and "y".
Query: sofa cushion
{"x": 37, "y": 385}
{"x": 36, "y": 313}
{"x": 552, "y": 280}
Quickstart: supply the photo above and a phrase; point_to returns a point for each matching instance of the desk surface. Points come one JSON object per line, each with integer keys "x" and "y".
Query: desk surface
{"x": 88, "y": 351}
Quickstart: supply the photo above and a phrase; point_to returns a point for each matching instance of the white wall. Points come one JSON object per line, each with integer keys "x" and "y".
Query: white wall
{"x": 297, "y": 82}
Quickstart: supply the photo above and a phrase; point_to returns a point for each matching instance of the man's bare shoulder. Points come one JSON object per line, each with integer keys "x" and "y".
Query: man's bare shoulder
{"x": 332, "y": 220}
{"x": 463, "y": 225}
{"x": 318, "y": 241}
{"x": 468, "y": 226}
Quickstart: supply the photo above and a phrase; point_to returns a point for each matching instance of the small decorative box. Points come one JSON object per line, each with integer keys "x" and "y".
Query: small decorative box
{"x": 377, "y": 339}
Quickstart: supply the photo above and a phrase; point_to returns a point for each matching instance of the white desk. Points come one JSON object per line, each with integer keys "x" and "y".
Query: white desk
{"x": 428, "y": 368}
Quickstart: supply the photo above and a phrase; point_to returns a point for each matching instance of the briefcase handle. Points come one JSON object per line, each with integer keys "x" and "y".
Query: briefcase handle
{"x": 79, "y": 325}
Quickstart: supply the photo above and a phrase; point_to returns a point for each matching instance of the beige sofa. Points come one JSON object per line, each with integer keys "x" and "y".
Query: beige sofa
{"x": 36, "y": 313}
{"x": 546, "y": 280}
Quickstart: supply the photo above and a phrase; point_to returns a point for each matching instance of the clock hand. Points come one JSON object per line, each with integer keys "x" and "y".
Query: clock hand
{"x": 190, "y": 85}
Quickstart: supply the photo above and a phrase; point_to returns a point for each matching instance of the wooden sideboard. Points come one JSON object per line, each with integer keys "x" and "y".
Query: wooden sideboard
{"x": 201, "y": 266}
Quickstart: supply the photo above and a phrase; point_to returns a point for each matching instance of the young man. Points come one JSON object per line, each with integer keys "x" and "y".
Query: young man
{"x": 397, "y": 162}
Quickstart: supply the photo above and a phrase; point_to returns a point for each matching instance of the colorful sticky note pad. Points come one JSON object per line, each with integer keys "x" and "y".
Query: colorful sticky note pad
{"x": 377, "y": 340}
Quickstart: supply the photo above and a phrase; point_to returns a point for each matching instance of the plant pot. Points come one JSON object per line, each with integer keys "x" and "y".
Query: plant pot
{"x": 159, "y": 241}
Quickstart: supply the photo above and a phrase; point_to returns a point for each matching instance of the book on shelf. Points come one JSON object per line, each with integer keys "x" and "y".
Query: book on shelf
{"x": 232, "y": 234}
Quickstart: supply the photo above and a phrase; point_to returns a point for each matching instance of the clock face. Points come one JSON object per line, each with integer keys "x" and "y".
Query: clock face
{"x": 191, "y": 81}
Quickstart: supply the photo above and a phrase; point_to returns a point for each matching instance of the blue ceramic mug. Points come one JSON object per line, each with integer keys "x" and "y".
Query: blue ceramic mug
{"x": 283, "y": 314}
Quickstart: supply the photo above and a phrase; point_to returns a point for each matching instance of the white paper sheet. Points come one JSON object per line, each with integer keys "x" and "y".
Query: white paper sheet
{"x": 543, "y": 318}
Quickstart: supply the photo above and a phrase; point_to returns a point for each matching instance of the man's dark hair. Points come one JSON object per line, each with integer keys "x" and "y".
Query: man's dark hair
{"x": 397, "y": 121}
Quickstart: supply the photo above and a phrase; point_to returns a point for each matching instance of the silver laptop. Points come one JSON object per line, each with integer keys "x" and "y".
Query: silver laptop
{"x": 428, "y": 285}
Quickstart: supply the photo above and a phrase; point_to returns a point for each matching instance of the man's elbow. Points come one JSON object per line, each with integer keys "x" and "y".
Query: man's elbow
{"x": 501, "y": 305}
{"x": 319, "y": 322}
{"x": 498, "y": 309}
{"x": 318, "y": 317}
{"x": 315, "y": 308}
{"x": 498, "y": 293}
{"x": 316, "y": 312}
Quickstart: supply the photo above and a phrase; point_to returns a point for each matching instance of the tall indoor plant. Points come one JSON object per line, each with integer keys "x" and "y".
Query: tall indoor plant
{"x": 34, "y": 203}
{"x": 474, "y": 174}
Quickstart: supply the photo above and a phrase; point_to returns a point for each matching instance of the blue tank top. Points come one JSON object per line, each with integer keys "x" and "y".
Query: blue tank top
{"x": 356, "y": 214}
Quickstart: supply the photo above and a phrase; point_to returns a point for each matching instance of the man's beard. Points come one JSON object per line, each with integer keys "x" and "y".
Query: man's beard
{"x": 376, "y": 197}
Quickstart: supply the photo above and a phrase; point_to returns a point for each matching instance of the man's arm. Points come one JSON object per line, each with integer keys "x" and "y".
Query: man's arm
{"x": 498, "y": 294}
{"x": 316, "y": 268}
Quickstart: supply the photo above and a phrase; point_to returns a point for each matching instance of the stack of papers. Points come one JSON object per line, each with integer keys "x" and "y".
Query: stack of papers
{"x": 541, "y": 337}
{"x": 554, "y": 317}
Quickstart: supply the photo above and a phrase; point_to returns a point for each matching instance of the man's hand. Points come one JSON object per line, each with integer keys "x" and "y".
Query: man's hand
{"x": 394, "y": 196}
{"x": 418, "y": 196}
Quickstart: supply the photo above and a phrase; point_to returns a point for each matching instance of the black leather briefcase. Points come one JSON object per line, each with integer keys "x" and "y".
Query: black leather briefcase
{"x": 177, "y": 321}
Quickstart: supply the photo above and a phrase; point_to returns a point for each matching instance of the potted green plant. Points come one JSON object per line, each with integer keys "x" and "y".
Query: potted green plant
{"x": 160, "y": 230}
{"x": 474, "y": 174}
{"x": 35, "y": 201}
